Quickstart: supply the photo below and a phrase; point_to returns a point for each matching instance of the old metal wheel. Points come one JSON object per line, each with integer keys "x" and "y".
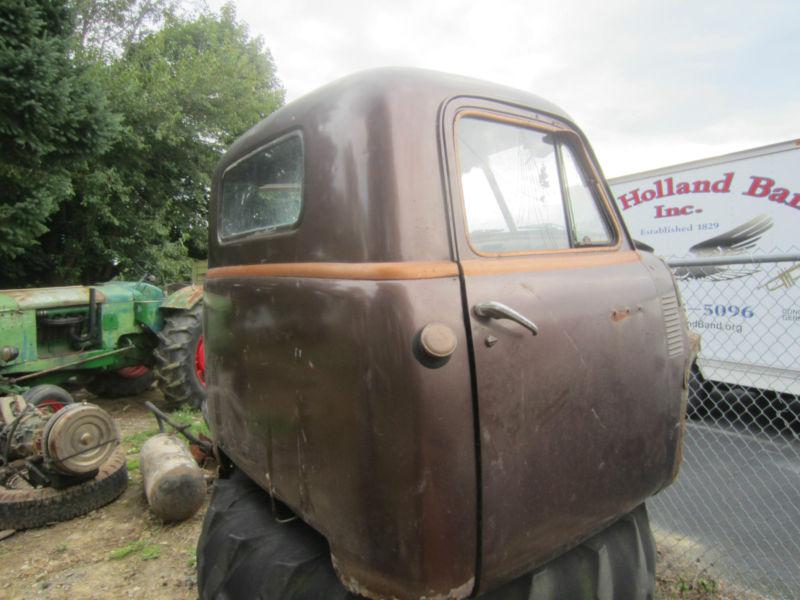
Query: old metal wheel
{"x": 180, "y": 358}
{"x": 24, "y": 507}
{"x": 48, "y": 398}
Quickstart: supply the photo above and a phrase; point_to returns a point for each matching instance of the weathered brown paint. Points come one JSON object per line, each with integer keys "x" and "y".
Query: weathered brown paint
{"x": 317, "y": 391}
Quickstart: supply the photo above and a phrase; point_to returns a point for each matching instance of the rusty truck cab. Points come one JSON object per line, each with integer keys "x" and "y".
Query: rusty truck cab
{"x": 430, "y": 335}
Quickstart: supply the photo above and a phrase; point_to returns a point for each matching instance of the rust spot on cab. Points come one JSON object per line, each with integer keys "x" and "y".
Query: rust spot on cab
{"x": 619, "y": 315}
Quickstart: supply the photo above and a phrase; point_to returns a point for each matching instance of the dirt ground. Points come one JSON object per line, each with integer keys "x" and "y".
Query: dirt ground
{"x": 123, "y": 551}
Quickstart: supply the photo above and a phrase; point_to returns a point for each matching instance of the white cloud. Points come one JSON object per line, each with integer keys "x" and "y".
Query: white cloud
{"x": 651, "y": 83}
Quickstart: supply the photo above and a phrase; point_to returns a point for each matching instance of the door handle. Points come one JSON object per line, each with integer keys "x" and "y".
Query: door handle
{"x": 497, "y": 310}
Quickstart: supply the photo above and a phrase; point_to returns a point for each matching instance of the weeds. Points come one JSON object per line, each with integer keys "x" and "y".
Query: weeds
{"x": 150, "y": 552}
{"x": 60, "y": 549}
{"x": 680, "y": 587}
{"x": 124, "y": 551}
{"x": 136, "y": 440}
{"x": 186, "y": 415}
{"x": 145, "y": 550}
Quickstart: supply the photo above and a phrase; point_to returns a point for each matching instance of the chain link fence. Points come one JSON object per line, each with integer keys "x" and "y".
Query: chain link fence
{"x": 734, "y": 512}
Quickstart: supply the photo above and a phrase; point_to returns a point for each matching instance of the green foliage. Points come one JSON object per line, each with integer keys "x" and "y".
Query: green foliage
{"x": 180, "y": 96}
{"x": 109, "y": 26}
{"x": 54, "y": 120}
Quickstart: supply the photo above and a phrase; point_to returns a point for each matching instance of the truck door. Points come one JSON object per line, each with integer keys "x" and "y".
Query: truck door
{"x": 572, "y": 365}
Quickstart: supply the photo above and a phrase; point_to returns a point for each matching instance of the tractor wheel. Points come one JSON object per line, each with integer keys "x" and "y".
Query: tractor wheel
{"x": 244, "y": 552}
{"x": 48, "y": 398}
{"x": 25, "y": 507}
{"x": 122, "y": 383}
{"x": 180, "y": 358}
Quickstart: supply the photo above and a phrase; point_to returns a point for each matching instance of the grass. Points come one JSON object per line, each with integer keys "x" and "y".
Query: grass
{"x": 123, "y": 551}
{"x": 676, "y": 586}
{"x": 136, "y": 440}
{"x": 190, "y": 416}
{"x": 185, "y": 415}
{"x": 143, "y": 548}
{"x": 150, "y": 552}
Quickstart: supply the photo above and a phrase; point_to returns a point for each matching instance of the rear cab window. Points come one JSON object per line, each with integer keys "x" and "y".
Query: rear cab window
{"x": 526, "y": 190}
{"x": 263, "y": 192}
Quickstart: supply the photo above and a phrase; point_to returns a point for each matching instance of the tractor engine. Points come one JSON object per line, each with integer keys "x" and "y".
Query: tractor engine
{"x": 56, "y": 449}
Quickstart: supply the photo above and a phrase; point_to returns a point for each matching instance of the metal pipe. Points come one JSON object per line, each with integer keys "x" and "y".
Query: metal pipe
{"x": 734, "y": 260}
{"x": 72, "y": 364}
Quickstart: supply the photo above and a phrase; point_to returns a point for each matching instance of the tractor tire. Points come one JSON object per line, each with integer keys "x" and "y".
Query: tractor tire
{"x": 114, "y": 384}
{"x": 180, "y": 362}
{"x": 47, "y": 397}
{"x": 28, "y": 508}
{"x": 243, "y": 552}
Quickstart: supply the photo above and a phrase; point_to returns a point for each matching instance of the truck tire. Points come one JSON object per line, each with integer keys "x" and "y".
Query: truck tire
{"x": 123, "y": 383}
{"x": 616, "y": 564}
{"x": 243, "y": 552}
{"x": 27, "y": 508}
{"x": 48, "y": 397}
{"x": 180, "y": 358}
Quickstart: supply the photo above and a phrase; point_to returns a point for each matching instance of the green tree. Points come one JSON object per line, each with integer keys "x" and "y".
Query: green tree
{"x": 183, "y": 94}
{"x": 54, "y": 120}
{"x": 109, "y": 26}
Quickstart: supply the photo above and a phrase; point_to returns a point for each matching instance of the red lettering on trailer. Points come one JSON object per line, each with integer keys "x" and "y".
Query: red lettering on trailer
{"x": 675, "y": 211}
{"x": 664, "y": 188}
{"x": 759, "y": 187}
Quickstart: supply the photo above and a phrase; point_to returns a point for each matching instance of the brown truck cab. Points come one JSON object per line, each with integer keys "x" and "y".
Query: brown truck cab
{"x": 430, "y": 335}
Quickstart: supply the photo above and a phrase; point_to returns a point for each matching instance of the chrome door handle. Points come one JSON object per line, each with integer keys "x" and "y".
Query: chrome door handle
{"x": 497, "y": 310}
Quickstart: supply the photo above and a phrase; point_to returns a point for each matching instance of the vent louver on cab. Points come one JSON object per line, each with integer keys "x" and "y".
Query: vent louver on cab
{"x": 672, "y": 323}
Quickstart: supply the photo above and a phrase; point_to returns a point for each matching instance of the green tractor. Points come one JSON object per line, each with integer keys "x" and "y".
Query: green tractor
{"x": 114, "y": 339}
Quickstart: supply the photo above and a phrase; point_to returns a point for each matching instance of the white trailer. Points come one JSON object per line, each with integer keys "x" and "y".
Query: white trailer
{"x": 730, "y": 226}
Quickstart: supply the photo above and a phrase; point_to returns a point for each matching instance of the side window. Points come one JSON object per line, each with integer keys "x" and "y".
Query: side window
{"x": 264, "y": 192}
{"x": 589, "y": 228}
{"x": 524, "y": 190}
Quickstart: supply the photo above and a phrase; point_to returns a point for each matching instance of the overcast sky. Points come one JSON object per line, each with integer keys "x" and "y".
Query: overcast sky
{"x": 651, "y": 83}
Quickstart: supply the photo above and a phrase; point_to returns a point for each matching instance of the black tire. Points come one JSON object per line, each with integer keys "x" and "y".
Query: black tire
{"x": 113, "y": 385}
{"x": 42, "y": 395}
{"x": 175, "y": 358}
{"x": 28, "y": 508}
{"x": 243, "y": 552}
{"x": 616, "y": 564}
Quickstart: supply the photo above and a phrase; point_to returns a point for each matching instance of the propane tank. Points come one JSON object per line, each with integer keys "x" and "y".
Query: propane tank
{"x": 174, "y": 485}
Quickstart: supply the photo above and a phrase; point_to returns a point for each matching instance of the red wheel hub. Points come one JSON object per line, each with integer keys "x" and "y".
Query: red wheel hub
{"x": 50, "y": 405}
{"x": 133, "y": 372}
{"x": 200, "y": 361}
